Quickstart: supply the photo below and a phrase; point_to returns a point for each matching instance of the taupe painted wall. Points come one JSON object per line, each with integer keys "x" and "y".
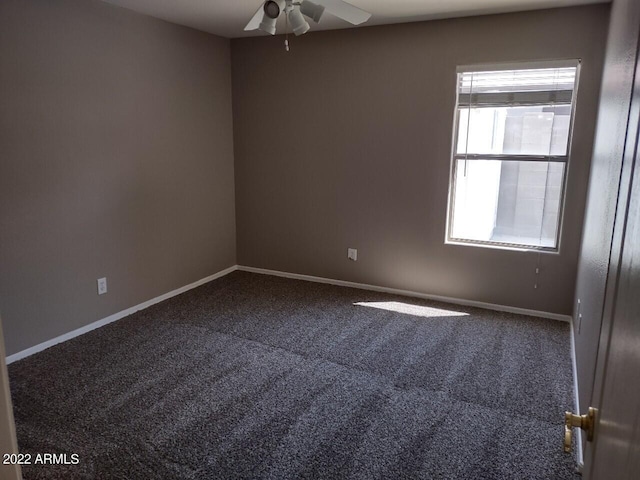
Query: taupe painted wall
{"x": 346, "y": 142}
{"x": 116, "y": 160}
{"x": 596, "y": 264}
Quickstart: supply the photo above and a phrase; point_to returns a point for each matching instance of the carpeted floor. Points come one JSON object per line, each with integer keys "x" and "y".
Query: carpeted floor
{"x": 252, "y": 376}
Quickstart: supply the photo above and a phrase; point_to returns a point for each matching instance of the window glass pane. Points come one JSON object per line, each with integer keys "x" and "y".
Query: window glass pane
{"x": 531, "y": 130}
{"x": 515, "y": 202}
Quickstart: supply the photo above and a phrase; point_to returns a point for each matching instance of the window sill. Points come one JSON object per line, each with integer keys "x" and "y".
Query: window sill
{"x": 502, "y": 246}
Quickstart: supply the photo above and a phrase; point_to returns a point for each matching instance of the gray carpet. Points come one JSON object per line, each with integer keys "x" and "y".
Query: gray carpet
{"x": 252, "y": 376}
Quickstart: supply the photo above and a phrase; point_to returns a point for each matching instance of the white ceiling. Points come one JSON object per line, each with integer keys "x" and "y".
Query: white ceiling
{"x": 227, "y": 18}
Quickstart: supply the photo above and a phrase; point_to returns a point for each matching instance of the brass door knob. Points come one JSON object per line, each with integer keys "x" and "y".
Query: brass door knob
{"x": 585, "y": 422}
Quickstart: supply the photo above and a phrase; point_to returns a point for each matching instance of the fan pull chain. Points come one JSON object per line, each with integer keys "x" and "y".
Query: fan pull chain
{"x": 286, "y": 32}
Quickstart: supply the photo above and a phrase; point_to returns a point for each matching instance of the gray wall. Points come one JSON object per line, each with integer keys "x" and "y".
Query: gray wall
{"x": 346, "y": 142}
{"x": 116, "y": 160}
{"x": 607, "y": 174}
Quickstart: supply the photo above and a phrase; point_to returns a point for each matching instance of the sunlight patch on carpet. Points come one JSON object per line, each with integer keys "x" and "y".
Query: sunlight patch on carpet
{"x": 415, "y": 310}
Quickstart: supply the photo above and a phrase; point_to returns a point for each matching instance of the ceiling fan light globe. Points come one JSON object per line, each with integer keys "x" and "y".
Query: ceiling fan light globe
{"x": 268, "y": 25}
{"x": 298, "y": 23}
{"x": 302, "y": 29}
{"x": 312, "y": 10}
{"x": 273, "y": 8}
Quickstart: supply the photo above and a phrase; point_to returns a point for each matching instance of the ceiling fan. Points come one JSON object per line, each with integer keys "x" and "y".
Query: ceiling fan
{"x": 267, "y": 15}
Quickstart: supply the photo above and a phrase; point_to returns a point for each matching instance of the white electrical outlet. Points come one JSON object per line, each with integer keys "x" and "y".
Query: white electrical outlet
{"x": 352, "y": 254}
{"x": 102, "y": 285}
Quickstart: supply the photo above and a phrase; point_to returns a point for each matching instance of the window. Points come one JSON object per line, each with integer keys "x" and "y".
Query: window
{"x": 511, "y": 154}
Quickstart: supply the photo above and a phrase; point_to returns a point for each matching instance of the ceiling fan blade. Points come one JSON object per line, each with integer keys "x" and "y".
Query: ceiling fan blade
{"x": 345, "y": 11}
{"x": 254, "y": 23}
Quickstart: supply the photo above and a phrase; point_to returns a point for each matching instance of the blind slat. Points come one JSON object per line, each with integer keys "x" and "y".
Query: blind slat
{"x": 558, "y": 97}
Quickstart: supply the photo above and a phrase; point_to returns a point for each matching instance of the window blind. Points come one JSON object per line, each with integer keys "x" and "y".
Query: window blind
{"x": 516, "y": 87}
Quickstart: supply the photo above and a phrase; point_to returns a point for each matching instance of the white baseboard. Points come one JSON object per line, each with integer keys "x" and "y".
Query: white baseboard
{"x": 116, "y": 316}
{"x": 577, "y": 431}
{"x": 409, "y": 293}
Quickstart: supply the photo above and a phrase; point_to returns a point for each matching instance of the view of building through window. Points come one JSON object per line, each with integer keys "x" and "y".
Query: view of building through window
{"x": 510, "y": 157}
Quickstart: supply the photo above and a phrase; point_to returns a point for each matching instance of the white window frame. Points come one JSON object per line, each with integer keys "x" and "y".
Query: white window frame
{"x": 449, "y": 238}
